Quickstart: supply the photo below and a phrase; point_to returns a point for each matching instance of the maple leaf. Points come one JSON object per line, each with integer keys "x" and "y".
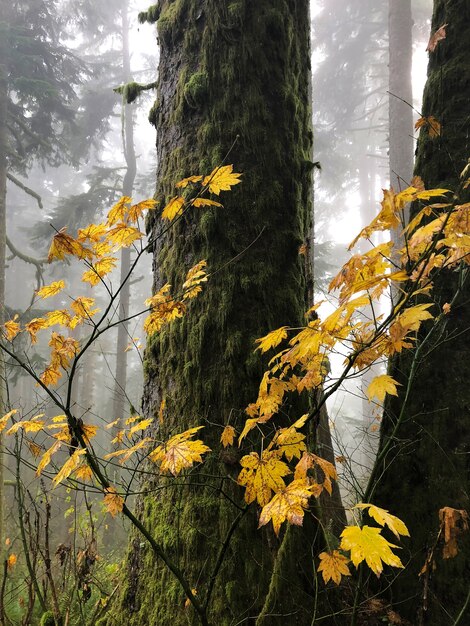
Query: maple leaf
{"x": 310, "y": 460}
{"x": 34, "y": 326}
{"x": 333, "y": 565}
{"x": 289, "y": 441}
{"x": 173, "y": 208}
{"x": 12, "y": 328}
{"x": 123, "y": 235}
{"x": 68, "y": 467}
{"x": 227, "y": 436}
{"x": 112, "y": 501}
{"x": 51, "y": 290}
{"x": 119, "y": 211}
{"x": 367, "y": 544}
{"x": 288, "y": 503}
{"x": 59, "y": 316}
{"x": 46, "y": 457}
{"x": 199, "y": 202}
{"x": 142, "y": 425}
{"x": 128, "y": 452}
{"x": 93, "y": 233}
{"x": 380, "y": 386}
{"x": 436, "y": 37}
{"x": 195, "y": 276}
{"x": 179, "y": 452}
{"x": 11, "y": 561}
{"x": 182, "y": 184}
{"x": 50, "y": 376}
{"x": 6, "y": 417}
{"x": 33, "y": 425}
{"x": 454, "y": 522}
{"x": 272, "y": 339}
{"x": 249, "y": 425}
{"x": 432, "y": 125}
{"x": 63, "y": 244}
{"x": 262, "y": 475}
{"x": 138, "y": 209}
{"x": 99, "y": 269}
{"x": 384, "y": 518}
{"x": 221, "y": 179}
{"x": 84, "y": 472}
{"x": 83, "y": 307}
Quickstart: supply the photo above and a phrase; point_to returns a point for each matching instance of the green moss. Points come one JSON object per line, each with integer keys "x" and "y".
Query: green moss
{"x": 153, "y": 113}
{"x": 195, "y": 90}
{"x": 47, "y": 619}
{"x": 151, "y": 15}
{"x": 169, "y": 20}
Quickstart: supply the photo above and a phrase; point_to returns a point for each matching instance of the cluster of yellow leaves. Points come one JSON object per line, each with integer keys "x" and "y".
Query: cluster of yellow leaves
{"x": 220, "y": 179}
{"x": 264, "y": 476}
{"x": 364, "y": 543}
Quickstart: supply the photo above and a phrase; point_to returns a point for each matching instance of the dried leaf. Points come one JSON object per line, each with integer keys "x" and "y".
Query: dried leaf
{"x": 227, "y": 436}
{"x": 112, "y": 501}
{"x": 333, "y": 566}
{"x": 436, "y": 37}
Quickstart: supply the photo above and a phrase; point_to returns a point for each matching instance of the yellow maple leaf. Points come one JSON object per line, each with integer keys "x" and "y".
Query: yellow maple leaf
{"x": 34, "y": 326}
{"x": 272, "y": 339}
{"x": 137, "y": 210}
{"x": 221, "y": 179}
{"x": 173, "y": 208}
{"x": 12, "y": 328}
{"x": 190, "y": 179}
{"x": 112, "y": 501}
{"x": 142, "y": 425}
{"x": 227, "y": 436}
{"x": 123, "y": 235}
{"x": 384, "y": 518}
{"x": 99, "y": 269}
{"x": 63, "y": 244}
{"x": 179, "y": 452}
{"x": 51, "y": 290}
{"x": 68, "y": 467}
{"x": 367, "y": 544}
{"x": 93, "y": 233}
{"x": 199, "y": 202}
{"x": 29, "y": 426}
{"x": 195, "y": 276}
{"x": 249, "y": 425}
{"x": 119, "y": 211}
{"x": 83, "y": 307}
{"x": 289, "y": 441}
{"x": 46, "y": 457}
{"x": 84, "y": 472}
{"x": 128, "y": 452}
{"x": 50, "y": 376}
{"x": 6, "y": 417}
{"x": 262, "y": 475}
{"x": 11, "y": 561}
{"x": 380, "y": 386}
{"x": 60, "y": 316}
{"x": 333, "y": 565}
{"x": 288, "y": 503}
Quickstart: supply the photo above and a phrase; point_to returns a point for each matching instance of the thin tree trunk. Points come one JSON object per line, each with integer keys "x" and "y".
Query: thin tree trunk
{"x": 120, "y": 381}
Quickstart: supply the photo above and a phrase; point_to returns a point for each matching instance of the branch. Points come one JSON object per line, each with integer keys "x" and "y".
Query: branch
{"x": 26, "y": 189}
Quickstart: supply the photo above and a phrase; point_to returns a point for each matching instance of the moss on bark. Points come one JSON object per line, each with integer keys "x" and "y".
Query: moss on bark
{"x": 253, "y": 104}
{"x": 427, "y": 467}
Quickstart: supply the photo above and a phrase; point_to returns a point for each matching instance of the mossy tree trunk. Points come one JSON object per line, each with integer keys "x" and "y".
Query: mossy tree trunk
{"x": 233, "y": 80}
{"x": 427, "y": 465}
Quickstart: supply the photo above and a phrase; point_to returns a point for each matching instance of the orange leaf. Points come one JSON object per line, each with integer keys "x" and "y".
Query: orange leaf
{"x": 436, "y": 37}
{"x": 113, "y": 502}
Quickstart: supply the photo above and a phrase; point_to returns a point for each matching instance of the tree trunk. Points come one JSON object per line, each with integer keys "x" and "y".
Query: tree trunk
{"x": 426, "y": 465}
{"x": 233, "y": 88}
{"x": 120, "y": 379}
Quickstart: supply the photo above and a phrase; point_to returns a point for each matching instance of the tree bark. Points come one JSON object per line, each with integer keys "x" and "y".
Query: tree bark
{"x": 233, "y": 88}
{"x": 426, "y": 465}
